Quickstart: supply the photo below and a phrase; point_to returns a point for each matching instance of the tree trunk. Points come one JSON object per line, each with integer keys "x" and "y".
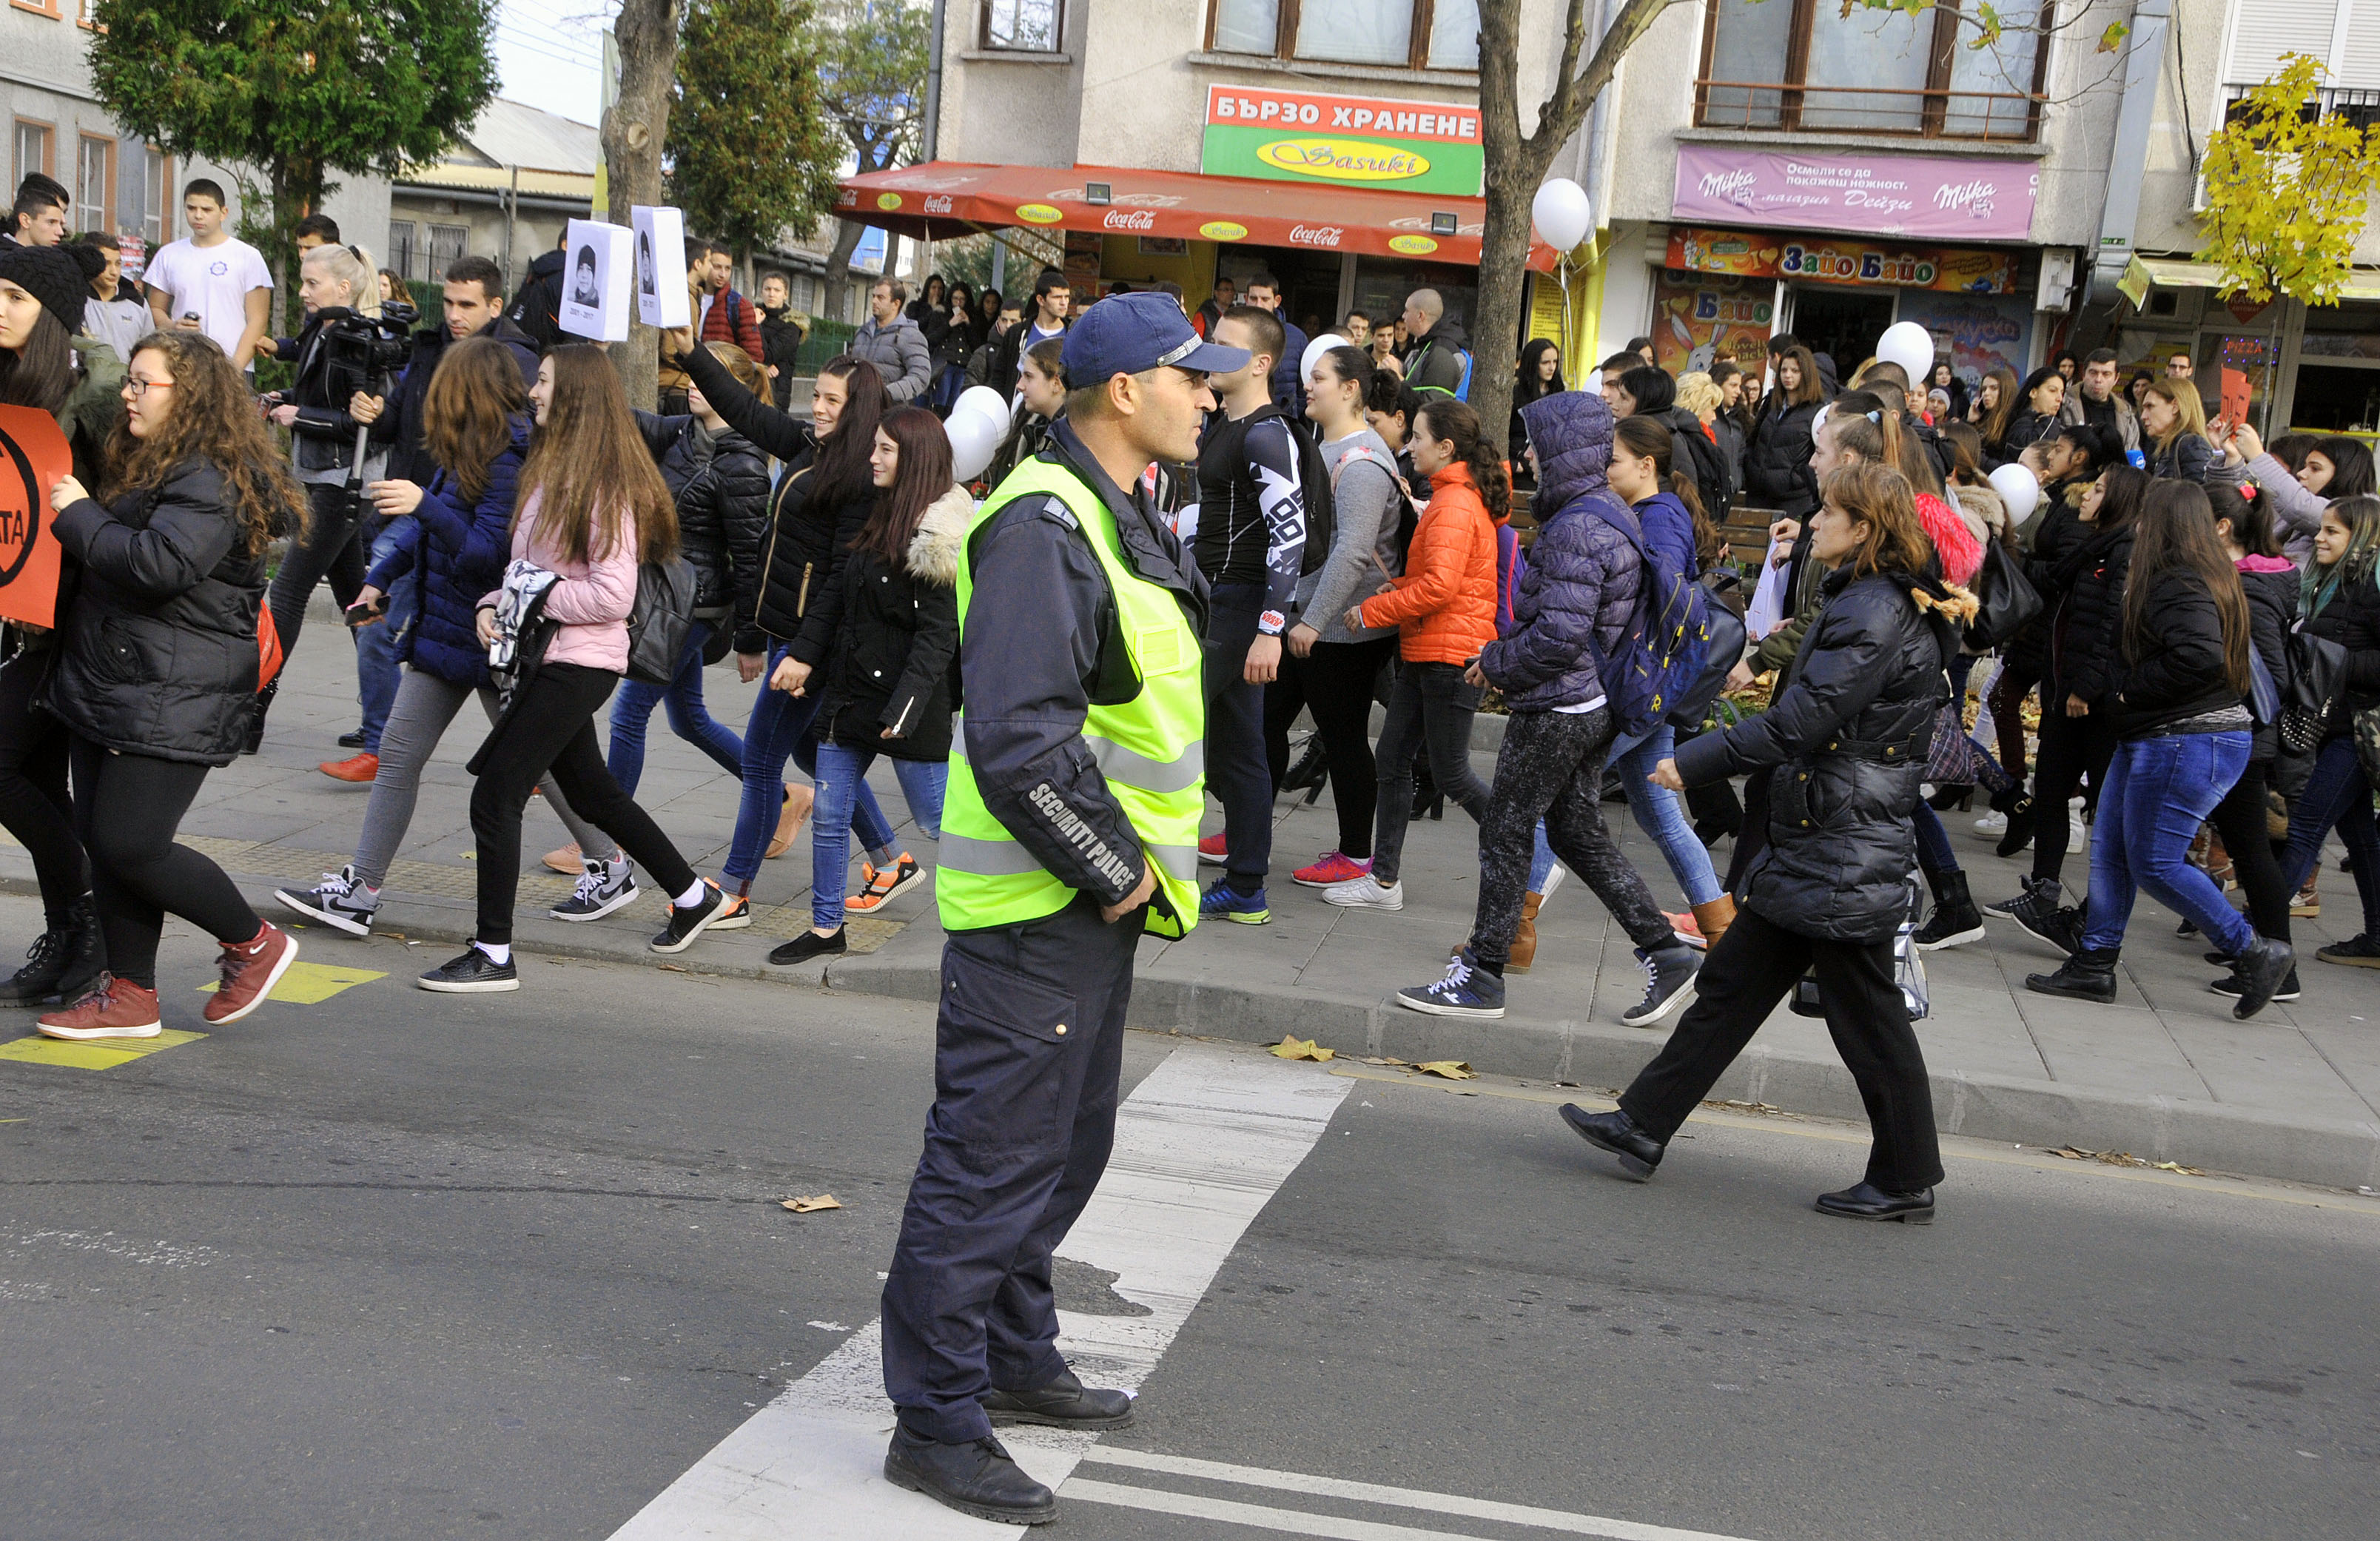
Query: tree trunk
{"x": 837, "y": 286}
{"x": 1515, "y": 166}
{"x": 633, "y": 131}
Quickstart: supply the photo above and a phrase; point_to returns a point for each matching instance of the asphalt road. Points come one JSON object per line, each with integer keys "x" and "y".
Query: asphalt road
{"x": 391, "y": 1265}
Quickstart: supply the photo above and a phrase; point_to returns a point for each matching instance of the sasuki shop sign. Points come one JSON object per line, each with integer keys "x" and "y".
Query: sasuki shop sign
{"x": 1362, "y": 142}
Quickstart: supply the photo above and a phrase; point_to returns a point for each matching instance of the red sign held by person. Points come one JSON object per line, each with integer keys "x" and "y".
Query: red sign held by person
{"x": 33, "y": 457}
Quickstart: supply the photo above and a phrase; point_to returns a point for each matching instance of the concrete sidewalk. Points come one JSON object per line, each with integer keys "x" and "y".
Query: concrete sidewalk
{"x": 2163, "y": 1074}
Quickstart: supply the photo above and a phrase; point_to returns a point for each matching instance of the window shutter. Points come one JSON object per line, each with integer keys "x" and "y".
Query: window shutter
{"x": 2358, "y": 68}
{"x": 2265, "y": 29}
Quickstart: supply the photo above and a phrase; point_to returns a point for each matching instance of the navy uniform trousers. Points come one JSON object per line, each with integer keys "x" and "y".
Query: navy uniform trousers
{"x": 1028, "y": 1048}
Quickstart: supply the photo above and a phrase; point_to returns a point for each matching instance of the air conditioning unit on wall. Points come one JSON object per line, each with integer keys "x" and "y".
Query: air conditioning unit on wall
{"x": 2055, "y": 290}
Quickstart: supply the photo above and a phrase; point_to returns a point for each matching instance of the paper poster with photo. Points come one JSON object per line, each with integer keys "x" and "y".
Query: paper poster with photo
{"x": 33, "y": 456}
{"x": 595, "y": 281}
{"x": 660, "y": 266}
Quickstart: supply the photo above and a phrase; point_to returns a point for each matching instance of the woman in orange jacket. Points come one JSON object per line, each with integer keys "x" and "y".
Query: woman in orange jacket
{"x": 1444, "y": 610}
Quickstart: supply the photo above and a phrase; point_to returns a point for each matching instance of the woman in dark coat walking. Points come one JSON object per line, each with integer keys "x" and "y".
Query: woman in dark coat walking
{"x": 1776, "y": 461}
{"x": 2341, "y": 603}
{"x": 876, "y": 650}
{"x": 158, "y": 664}
{"x": 1848, "y": 740}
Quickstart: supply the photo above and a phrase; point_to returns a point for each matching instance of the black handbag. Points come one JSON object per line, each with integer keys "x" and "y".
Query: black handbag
{"x": 2007, "y": 600}
{"x": 662, "y": 617}
{"x": 2317, "y": 686}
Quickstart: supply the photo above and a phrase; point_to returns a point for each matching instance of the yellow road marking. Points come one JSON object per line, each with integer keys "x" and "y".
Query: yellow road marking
{"x": 310, "y": 984}
{"x": 97, "y": 1054}
{"x": 1967, "y": 1148}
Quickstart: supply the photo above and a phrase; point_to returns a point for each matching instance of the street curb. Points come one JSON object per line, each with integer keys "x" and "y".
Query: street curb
{"x": 2212, "y": 1136}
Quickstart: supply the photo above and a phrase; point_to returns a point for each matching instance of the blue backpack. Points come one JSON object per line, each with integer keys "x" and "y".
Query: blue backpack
{"x": 1661, "y": 659}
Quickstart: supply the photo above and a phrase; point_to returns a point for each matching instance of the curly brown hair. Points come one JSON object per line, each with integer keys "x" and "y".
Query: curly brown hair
{"x": 212, "y": 418}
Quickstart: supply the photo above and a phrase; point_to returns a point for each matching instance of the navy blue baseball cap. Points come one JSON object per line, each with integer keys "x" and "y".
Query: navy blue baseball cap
{"x": 1136, "y": 333}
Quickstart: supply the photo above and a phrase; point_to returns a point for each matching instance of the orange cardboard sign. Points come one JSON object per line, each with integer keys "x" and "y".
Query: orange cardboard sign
{"x": 33, "y": 456}
{"x": 2236, "y": 391}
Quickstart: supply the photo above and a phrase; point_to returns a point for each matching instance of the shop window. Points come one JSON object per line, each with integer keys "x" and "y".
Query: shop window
{"x": 94, "y": 188}
{"x": 1812, "y": 64}
{"x": 1028, "y": 26}
{"x": 1397, "y": 34}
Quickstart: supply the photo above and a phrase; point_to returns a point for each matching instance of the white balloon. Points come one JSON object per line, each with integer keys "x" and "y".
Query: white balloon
{"x": 2018, "y": 489}
{"x": 974, "y": 438}
{"x": 985, "y": 401}
{"x": 1911, "y": 347}
{"x": 1315, "y": 350}
{"x": 1560, "y": 213}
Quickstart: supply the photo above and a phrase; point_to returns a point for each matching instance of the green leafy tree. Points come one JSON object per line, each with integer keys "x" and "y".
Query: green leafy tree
{"x": 2287, "y": 187}
{"x": 750, "y": 150}
{"x": 872, "y": 75}
{"x": 293, "y": 94}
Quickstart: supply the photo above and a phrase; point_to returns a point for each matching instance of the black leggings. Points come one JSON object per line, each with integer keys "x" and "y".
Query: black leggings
{"x": 1334, "y": 682}
{"x": 552, "y": 726}
{"x": 33, "y": 803}
{"x": 2239, "y": 819}
{"x": 127, "y": 809}
{"x": 330, "y": 549}
{"x": 2071, "y": 747}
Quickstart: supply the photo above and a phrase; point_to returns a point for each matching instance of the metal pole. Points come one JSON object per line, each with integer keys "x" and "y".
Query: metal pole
{"x": 512, "y": 223}
{"x": 931, "y": 138}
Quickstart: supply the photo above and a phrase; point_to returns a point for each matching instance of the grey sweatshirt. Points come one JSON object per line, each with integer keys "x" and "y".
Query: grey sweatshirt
{"x": 1366, "y": 505}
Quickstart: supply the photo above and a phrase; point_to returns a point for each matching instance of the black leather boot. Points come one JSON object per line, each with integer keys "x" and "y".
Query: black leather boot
{"x": 2089, "y": 975}
{"x": 45, "y": 963}
{"x": 1866, "y": 1201}
{"x": 2021, "y": 817}
{"x": 86, "y": 952}
{"x": 979, "y": 1477}
{"x": 1955, "y": 918}
{"x": 2262, "y": 970}
{"x": 1639, "y": 1153}
{"x": 1065, "y": 1402}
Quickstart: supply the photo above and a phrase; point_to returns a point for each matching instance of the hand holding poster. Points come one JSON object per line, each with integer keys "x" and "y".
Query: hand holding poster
{"x": 595, "y": 281}
{"x": 33, "y": 456}
{"x": 662, "y": 298}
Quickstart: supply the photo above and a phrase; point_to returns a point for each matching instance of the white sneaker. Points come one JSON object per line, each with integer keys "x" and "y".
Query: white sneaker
{"x": 1993, "y": 823}
{"x": 1553, "y": 881}
{"x": 1366, "y": 893}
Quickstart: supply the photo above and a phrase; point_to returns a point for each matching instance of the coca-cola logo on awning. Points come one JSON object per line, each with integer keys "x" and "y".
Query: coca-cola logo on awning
{"x": 1316, "y": 235}
{"x": 938, "y": 205}
{"x": 1130, "y": 219}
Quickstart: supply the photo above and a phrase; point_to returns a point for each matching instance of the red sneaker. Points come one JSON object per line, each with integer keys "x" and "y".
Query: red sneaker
{"x": 1683, "y": 926}
{"x": 362, "y": 768}
{"x": 114, "y": 1009}
{"x": 1210, "y": 850}
{"x": 250, "y": 969}
{"x": 1332, "y": 868}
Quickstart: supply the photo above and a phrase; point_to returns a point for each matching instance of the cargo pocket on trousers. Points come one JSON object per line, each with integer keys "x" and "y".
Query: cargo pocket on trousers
{"x": 1002, "y": 1042}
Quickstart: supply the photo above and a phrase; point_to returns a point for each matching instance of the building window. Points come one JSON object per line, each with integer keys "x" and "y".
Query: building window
{"x": 404, "y": 247}
{"x": 1810, "y": 65}
{"x": 1028, "y": 26}
{"x": 94, "y": 183}
{"x": 448, "y": 243}
{"x": 41, "y": 7}
{"x": 32, "y": 149}
{"x": 1398, "y": 34}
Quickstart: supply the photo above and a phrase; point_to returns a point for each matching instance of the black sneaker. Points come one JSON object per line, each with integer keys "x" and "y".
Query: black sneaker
{"x": 45, "y": 963}
{"x": 687, "y": 924}
{"x": 474, "y": 973}
{"x": 338, "y": 901}
{"x": 603, "y": 887}
{"x": 352, "y": 740}
{"x": 2230, "y": 985}
{"x": 979, "y": 1477}
{"x": 2360, "y": 951}
{"x": 1668, "y": 984}
{"x": 808, "y": 945}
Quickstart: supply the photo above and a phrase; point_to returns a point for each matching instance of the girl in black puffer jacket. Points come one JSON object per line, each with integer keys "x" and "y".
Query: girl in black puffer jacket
{"x": 158, "y": 663}
{"x": 2179, "y": 678}
{"x": 2341, "y": 601}
{"x": 1776, "y": 461}
{"x": 823, "y": 499}
{"x": 2084, "y": 589}
{"x": 1847, "y": 741}
{"x": 721, "y": 485}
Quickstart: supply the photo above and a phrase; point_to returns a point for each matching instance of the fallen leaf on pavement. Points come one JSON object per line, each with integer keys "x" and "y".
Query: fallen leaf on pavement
{"x": 802, "y": 1204}
{"x": 1453, "y": 1070}
{"x": 2176, "y": 1166}
{"x": 1302, "y": 1049}
{"x": 1382, "y": 1060}
{"x": 676, "y": 968}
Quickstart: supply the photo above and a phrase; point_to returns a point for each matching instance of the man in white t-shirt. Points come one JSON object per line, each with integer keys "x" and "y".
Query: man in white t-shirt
{"x": 212, "y": 282}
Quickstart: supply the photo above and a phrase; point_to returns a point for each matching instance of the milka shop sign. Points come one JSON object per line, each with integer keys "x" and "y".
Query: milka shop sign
{"x": 1294, "y": 135}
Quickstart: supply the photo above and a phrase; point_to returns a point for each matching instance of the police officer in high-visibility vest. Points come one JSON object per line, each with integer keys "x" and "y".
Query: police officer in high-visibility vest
{"x": 1070, "y": 828}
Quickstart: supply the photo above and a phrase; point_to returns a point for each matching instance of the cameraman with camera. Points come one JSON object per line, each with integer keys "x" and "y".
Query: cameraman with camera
{"x": 473, "y": 304}
{"x": 348, "y": 345}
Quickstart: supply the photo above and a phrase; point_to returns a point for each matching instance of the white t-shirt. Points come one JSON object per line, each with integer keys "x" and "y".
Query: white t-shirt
{"x": 214, "y": 281}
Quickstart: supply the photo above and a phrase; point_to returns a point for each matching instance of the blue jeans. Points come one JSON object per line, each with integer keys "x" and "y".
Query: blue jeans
{"x": 688, "y": 717}
{"x": 1934, "y": 852}
{"x": 779, "y": 730}
{"x": 843, "y": 773}
{"x": 2337, "y": 794}
{"x": 1659, "y": 812}
{"x": 376, "y": 668}
{"x": 2159, "y": 791}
